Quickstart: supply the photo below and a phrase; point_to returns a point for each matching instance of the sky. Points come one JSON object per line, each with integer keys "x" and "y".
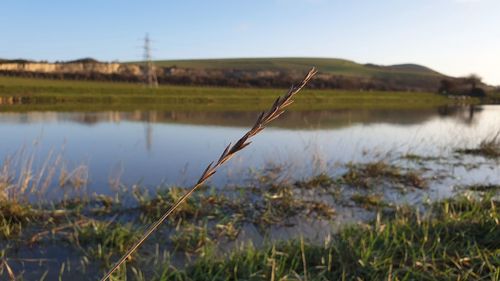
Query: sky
{"x": 454, "y": 37}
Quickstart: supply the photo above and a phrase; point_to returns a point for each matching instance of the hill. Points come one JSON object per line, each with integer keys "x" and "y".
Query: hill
{"x": 242, "y": 72}
{"x": 325, "y": 65}
{"x": 278, "y": 72}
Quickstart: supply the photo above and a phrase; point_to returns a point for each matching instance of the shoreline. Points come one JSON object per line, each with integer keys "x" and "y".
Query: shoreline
{"x": 23, "y": 94}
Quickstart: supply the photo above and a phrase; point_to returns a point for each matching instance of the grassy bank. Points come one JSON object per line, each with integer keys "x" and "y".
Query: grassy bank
{"x": 23, "y": 94}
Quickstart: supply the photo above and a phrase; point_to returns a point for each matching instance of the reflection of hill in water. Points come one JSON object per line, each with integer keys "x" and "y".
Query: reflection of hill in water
{"x": 293, "y": 120}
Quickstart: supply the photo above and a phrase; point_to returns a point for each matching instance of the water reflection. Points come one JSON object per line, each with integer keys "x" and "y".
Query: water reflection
{"x": 152, "y": 147}
{"x": 465, "y": 113}
{"x": 293, "y": 120}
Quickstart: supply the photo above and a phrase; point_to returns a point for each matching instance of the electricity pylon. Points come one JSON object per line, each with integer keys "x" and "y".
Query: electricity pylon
{"x": 149, "y": 69}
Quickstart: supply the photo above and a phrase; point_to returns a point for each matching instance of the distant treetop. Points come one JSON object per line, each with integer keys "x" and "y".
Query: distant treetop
{"x": 83, "y": 60}
{"x": 15, "y": 61}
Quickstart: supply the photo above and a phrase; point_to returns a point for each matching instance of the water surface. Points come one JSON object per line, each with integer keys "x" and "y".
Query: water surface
{"x": 153, "y": 147}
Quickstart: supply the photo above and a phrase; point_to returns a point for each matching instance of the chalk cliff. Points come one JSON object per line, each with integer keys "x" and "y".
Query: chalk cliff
{"x": 75, "y": 68}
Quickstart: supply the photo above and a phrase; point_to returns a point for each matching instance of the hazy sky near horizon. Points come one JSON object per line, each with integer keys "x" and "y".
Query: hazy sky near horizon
{"x": 455, "y": 37}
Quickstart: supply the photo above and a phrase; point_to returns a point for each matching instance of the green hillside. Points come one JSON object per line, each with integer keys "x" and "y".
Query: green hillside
{"x": 325, "y": 65}
{"x": 262, "y": 73}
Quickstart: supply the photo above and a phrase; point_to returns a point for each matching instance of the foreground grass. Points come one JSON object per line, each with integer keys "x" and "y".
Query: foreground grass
{"x": 24, "y": 94}
{"x": 458, "y": 240}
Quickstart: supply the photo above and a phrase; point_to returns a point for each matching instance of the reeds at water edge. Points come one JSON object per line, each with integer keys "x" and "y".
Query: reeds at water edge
{"x": 262, "y": 121}
{"x": 25, "y": 174}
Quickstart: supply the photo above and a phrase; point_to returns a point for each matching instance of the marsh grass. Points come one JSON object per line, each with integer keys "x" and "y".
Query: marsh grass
{"x": 262, "y": 205}
{"x": 374, "y": 174}
{"x": 321, "y": 180}
{"x": 221, "y": 216}
{"x": 102, "y": 240}
{"x": 25, "y": 174}
{"x": 154, "y": 207}
{"x": 488, "y": 147}
{"x": 207, "y": 203}
{"x": 230, "y": 227}
{"x": 13, "y": 217}
{"x": 279, "y": 204}
{"x": 369, "y": 201}
{"x": 191, "y": 238}
{"x": 418, "y": 158}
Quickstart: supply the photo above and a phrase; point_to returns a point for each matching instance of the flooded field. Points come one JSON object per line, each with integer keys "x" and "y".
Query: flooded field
{"x": 96, "y": 179}
{"x": 172, "y": 148}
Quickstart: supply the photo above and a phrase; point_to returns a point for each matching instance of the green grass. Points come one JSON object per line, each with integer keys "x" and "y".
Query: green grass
{"x": 24, "y": 94}
{"x": 102, "y": 240}
{"x": 324, "y": 65}
{"x": 457, "y": 240}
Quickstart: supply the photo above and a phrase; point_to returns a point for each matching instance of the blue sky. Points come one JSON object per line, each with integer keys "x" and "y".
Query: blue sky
{"x": 456, "y": 37}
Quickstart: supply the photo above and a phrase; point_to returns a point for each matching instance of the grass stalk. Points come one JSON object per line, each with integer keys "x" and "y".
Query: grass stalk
{"x": 262, "y": 121}
{"x": 303, "y": 254}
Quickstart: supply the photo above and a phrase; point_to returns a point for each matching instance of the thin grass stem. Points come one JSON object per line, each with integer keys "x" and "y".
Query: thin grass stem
{"x": 262, "y": 121}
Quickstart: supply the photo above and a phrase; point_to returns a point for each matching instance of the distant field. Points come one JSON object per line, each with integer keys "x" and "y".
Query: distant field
{"x": 325, "y": 65}
{"x": 43, "y": 94}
